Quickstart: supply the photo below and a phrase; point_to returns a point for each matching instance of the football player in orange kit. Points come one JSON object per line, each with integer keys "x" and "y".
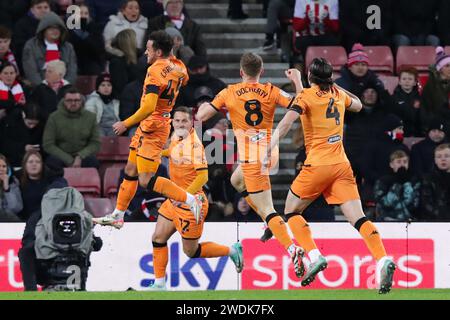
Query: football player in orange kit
{"x": 251, "y": 105}
{"x": 327, "y": 170}
{"x": 165, "y": 76}
{"x": 189, "y": 170}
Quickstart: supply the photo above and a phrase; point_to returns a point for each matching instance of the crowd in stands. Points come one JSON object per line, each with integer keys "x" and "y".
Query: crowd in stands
{"x": 46, "y": 121}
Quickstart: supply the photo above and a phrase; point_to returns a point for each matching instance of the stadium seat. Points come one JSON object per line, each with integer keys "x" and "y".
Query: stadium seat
{"x": 85, "y": 180}
{"x": 381, "y": 59}
{"x": 336, "y": 55}
{"x": 98, "y": 207}
{"x": 390, "y": 82}
{"x": 410, "y": 141}
{"x": 447, "y": 50}
{"x": 110, "y": 182}
{"x": 114, "y": 149}
{"x": 86, "y": 84}
{"x": 420, "y": 57}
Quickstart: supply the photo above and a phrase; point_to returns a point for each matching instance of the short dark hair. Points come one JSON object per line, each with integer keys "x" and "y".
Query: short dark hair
{"x": 251, "y": 64}
{"x": 72, "y": 90}
{"x": 184, "y": 110}
{"x": 124, "y": 3}
{"x": 321, "y": 73}
{"x": 5, "y": 33}
{"x": 410, "y": 70}
{"x": 161, "y": 41}
{"x": 32, "y": 111}
{"x": 36, "y": 2}
{"x": 3, "y": 66}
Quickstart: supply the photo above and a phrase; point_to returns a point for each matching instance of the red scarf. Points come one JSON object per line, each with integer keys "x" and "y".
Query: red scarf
{"x": 16, "y": 90}
{"x": 52, "y": 52}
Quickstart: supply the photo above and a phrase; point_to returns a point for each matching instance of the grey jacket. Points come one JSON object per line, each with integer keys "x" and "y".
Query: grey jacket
{"x": 60, "y": 201}
{"x": 95, "y": 105}
{"x": 11, "y": 202}
{"x": 33, "y": 56}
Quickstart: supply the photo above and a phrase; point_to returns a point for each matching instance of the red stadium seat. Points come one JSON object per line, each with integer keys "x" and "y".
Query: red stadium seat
{"x": 114, "y": 149}
{"x": 410, "y": 141}
{"x": 447, "y": 50}
{"x": 336, "y": 55}
{"x": 381, "y": 59}
{"x": 86, "y": 84}
{"x": 420, "y": 57}
{"x": 390, "y": 82}
{"x": 98, "y": 207}
{"x": 110, "y": 182}
{"x": 85, "y": 180}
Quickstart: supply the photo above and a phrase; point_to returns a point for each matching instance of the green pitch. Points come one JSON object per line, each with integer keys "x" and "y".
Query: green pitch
{"x": 396, "y": 294}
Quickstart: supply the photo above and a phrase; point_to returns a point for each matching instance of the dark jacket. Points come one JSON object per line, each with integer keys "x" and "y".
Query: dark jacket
{"x": 122, "y": 73}
{"x": 407, "y": 107}
{"x": 89, "y": 47}
{"x": 357, "y": 85}
{"x": 14, "y": 135}
{"x": 422, "y": 156}
{"x": 33, "y": 57}
{"x": 397, "y": 196}
{"x": 377, "y": 157}
{"x": 414, "y": 17}
{"x": 186, "y": 97}
{"x": 24, "y": 30}
{"x": 47, "y": 98}
{"x": 69, "y": 134}
{"x": 443, "y": 23}
{"x": 190, "y": 30}
{"x": 435, "y": 196}
{"x": 32, "y": 193}
{"x": 132, "y": 93}
{"x": 100, "y": 10}
{"x": 11, "y": 10}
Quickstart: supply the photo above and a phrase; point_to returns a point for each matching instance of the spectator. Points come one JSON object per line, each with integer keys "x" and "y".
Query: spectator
{"x": 129, "y": 17}
{"x": 235, "y": 11}
{"x": 33, "y": 183}
{"x": 11, "y": 10}
{"x": 437, "y": 90}
{"x": 181, "y": 51}
{"x": 20, "y": 132}
{"x": 88, "y": 44}
{"x": 11, "y": 91}
{"x": 10, "y": 198}
{"x": 414, "y": 23}
{"x": 243, "y": 212}
{"x": 406, "y": 102}
{"x": 49, "y": 44}
{"x": 71, "y": 136}
{"x": 422, "y": 153}
{"x": 26, "y": 27}
{"x": 104, "y": 105}
{"x": 377, "y": 155}
{"x": 199, "y": 76}
{"x": 356, "y": 75}
{"x": 47, "y": 94}
{"x": 363, "y": 127}
{"x": 101, "y": 10}
{"x": 124, "y": 69}
{"x": 397, "y": 193}
{"x": 443, "y": 23}
{"x": 435, "y": 193}
{"x": 174, "y": 17}
{"x": 6, "y": 55}
{"x": 130, "y": 98}
{"x": 316, "y": 23}
{"x": 151, "y": 8}
{"x": 277, "y": 12}
{"x": 354, "y": 22}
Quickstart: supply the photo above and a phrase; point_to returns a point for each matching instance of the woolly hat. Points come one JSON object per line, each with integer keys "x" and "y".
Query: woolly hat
{"x": 437, "y": 124}
{"x": 391, "y": 122}
{"x": 357, "y": 55}
{"x": 101, "y": 78}
{"x": 442, "y": 59}
{"x": 165, "y": 2}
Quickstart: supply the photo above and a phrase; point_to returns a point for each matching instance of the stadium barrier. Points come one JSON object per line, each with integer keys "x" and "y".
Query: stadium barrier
{"x": 420, "y": 250}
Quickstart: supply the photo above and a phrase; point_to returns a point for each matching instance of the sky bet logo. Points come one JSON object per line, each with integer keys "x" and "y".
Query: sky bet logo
{"x": 175, "y": 270}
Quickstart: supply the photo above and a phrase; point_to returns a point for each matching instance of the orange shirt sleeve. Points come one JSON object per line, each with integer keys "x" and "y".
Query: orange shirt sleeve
{"x": 220, "y": 99}
{"x": 299, "y": 104}
{"x": 283, "y": 98}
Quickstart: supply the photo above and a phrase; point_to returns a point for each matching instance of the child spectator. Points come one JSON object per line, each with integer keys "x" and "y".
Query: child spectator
{"x": 397, "y": 193}
{"x": 6, "y": 55}
{"x": 104, "y": 105}
{"x": 406, "y": 102}
{"x": 128, "y": 17}
{"x": 435, "y": 195}
{"x": 49, "y": 44}
{"x": 11, "y": 91}
{"x": 10, "y": 198}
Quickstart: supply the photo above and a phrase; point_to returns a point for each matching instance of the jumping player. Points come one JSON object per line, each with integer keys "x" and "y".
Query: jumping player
{"x": 327, "y": 170}
{"x": 252, "y": 106}
{"x": 189, "y": 170}
{"x": 165, "y": 76}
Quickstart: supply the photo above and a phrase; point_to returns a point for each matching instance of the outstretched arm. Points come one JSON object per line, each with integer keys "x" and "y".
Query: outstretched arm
{"x": 205, "y": 111}
{"x": 296, "y": 77}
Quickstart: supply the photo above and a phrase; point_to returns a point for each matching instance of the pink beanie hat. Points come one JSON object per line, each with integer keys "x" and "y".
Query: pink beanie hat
{"x": 442, "y": 59}
{"x": 357, "y": 55}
